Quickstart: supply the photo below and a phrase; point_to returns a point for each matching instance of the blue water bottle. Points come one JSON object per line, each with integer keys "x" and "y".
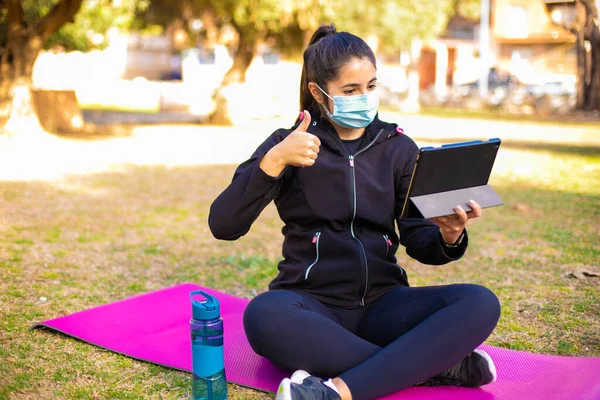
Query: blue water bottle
{"x": 208, "y": 363}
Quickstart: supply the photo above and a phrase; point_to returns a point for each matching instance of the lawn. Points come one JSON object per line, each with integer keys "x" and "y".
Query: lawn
{"x": 81, "y": 241}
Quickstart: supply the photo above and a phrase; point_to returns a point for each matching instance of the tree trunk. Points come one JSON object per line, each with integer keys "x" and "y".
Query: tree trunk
{"x": 591, "y": 33}
{"x": 581, "y": 69}
{"x": 233, "y": 79}
{"x": 16, "y": 109}
{"x": 23, "y": 44}
{"x": 592, "y": 100}
{"x": 17, "y": 114}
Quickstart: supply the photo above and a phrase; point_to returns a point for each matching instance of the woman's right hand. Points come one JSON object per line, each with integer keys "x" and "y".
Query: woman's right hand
{"x": 298, "y": 149}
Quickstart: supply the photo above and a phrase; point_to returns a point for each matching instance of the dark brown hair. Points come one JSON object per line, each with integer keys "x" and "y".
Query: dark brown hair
{"x": 327, "y": 52}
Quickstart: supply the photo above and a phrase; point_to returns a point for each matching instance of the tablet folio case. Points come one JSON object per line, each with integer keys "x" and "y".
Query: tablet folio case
{"x": 451, "y": 175}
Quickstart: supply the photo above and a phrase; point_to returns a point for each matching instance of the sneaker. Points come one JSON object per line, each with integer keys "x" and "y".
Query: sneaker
{"x": 302, "y": 386}
{"x": 299, "y": 376}
{"x": 477, "y": 369}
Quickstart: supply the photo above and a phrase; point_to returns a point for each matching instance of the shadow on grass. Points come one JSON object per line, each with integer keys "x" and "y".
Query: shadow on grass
{"x": 102, "y": 117}
{"x": 108, "y": 124}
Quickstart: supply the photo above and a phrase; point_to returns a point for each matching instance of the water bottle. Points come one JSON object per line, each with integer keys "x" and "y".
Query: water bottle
{"x": 208, "y": 363}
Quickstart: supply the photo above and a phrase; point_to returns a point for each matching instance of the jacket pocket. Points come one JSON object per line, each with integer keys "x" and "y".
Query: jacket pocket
{"x": 315, "y": 241}
{"x": 388, "y": 244}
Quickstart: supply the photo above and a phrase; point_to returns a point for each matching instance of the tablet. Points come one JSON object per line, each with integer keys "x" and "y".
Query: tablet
{"x": 451, "y": 175}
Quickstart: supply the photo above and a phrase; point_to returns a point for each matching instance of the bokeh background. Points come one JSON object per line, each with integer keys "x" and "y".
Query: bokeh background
{"x": 122, "y": 120}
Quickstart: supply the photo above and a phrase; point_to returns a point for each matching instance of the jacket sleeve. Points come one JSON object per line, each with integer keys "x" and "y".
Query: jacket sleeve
{"x": 421, "y": 237}
{"x": 251, "y": 190}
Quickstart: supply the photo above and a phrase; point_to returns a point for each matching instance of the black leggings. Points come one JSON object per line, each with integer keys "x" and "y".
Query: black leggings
{"x": 403, "y": 338}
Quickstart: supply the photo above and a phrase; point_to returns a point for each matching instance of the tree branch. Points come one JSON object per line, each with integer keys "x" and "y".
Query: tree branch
{"x": 591, "y": 26}
{"x": 16, "y": 17}
{"x": 590, "y": 8}
{"x": 64, "y": 11}
{"x": 15, "y": 25}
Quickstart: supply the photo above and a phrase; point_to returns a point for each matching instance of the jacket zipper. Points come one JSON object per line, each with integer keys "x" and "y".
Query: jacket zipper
{"x": 315, "y": 241}
{"x": 362, "y": 248}
{"x": 388, "y": 243}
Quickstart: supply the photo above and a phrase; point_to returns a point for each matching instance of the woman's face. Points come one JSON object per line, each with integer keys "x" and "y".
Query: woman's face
{"x": 357, "y": 76}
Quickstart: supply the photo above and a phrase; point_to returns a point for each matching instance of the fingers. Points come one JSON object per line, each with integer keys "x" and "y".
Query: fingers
{"x": 305, "y": 118}
{"x": 476, "y": 210}
{"x": 450, "y": 228}
{"x": 449, "y": 224}
{"x": 315, "y": 148}
{"x": 307, "y": 161}
{"x": 302, "y": 148}
{"x": 314, "y": 142}
{"x": 312, "y": 154}
{"x": 462, "y": 215}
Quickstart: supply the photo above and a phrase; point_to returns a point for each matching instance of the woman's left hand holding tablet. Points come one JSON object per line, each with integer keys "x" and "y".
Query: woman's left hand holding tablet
{"x": 452, "y": 226}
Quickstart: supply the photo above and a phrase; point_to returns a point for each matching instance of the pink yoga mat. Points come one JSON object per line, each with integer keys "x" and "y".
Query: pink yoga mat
{"x": 154, "y": 327}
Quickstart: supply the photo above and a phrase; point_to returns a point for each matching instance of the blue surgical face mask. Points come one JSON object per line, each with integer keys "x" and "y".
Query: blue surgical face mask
{"x": 353, "y": 112}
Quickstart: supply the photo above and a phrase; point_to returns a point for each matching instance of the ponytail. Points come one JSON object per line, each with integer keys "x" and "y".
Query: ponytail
{"x": 306, "y": 99}
{"x": 327, "y": 52}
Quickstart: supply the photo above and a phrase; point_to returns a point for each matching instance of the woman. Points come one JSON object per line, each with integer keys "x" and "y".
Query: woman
{"x": 341, "y": 307}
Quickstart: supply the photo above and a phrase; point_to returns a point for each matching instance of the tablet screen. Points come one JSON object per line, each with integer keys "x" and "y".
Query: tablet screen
{"x": 452, "y": 167}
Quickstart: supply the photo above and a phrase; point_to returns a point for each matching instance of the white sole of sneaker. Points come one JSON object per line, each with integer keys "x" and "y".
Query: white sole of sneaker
{"x": 284, "y": 392}
{"x": 299, "y": 376}
{"x": 490, "y": 362}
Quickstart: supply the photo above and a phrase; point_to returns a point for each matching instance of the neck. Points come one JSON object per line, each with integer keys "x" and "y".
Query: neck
{"x": 348, "y": 133}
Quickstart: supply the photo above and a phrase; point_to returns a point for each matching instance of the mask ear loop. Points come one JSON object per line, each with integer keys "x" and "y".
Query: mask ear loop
{"x": 323, "y": 105}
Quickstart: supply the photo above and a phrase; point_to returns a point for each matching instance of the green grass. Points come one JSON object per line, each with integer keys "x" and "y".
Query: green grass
{"x": 147, "y": 230}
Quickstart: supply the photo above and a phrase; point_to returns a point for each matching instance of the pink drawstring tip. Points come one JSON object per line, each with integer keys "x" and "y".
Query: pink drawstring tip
{"x": 314, "y": 240}
{"x": 389, "y": 242}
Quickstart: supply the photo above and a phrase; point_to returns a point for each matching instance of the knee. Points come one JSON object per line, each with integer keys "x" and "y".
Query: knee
{"x": 483, "y": 303}
{"x": 267, "y": 306}
{"x": 262, "y": 314}
{"x": 257, "y": 306}
{"x": 255, "y": 314}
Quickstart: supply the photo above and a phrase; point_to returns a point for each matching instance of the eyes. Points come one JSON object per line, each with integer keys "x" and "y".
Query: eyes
{"x": 352, "y": 91}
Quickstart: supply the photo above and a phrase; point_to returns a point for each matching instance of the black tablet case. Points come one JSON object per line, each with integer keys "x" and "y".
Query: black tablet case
{"x": 451, "y": 175}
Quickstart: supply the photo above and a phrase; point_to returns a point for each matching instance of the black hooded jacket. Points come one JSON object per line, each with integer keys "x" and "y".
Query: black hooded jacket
{"x": 340, "y": 215}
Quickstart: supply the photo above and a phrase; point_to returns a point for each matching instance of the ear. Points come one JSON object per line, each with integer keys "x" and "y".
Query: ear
{"x": 316, "y": 93}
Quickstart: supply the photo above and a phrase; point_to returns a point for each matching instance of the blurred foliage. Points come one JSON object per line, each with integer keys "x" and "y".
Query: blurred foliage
{"x": 253, "y": 18}
{"x": 290, "y": 22}
{"x": 396, "y": 22}
{"x": 94, "y": 18}
{"x": 468, "y": 8}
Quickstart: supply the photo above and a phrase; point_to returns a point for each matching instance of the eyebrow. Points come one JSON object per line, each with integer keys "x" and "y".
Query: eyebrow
{"x": 351, "y": 85}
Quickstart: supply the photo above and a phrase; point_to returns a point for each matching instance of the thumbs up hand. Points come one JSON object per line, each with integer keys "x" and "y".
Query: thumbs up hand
{"x": 298, "y": 149}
